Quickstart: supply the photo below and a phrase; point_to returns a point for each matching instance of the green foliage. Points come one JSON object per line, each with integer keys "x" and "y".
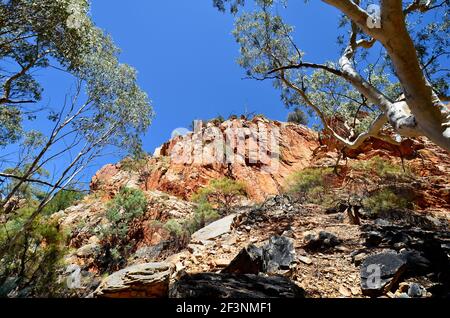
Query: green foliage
{"x": 297, "y": 117}
{"x": 204, "y": 214}
{"x": 131, "y": 164}
{"x": 384, "y": 200}
{"x": 62, "y": 200}
{"x": 124, "y": 230}
{"x": 38, "y": 32}
{"x": 268, "y": 51}
{"x": 310, "y": 185}
{"x": 383, "y": 168}
{"x": 30, "y": 267}
{"x": 181, "y": 230}
{"x": 222, "y": 193}
{"x": 174, "y": 227}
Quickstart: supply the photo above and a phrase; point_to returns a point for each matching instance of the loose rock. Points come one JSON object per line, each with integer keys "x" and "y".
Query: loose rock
{"x": 234, "y": 286}
{"x": 380, "y": 272}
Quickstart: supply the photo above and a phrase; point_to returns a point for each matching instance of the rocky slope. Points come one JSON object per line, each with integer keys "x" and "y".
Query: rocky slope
{"x": 272, "y": 242}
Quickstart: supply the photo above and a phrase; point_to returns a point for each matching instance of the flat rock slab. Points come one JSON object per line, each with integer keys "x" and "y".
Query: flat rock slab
{"x": 214, "y": 229}
{"x": 381, "y": 272}
{"x": 234, "y": 286}
{"x": 149, "y": 280}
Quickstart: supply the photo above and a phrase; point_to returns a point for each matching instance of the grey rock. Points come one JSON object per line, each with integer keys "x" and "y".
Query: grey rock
{"x": 214, "y": 229}
{"x": 248, "y": 261}
{"x": 381, "y": 272}
{"x": 234, "y": 286}
{"x": 278, "y": 254}
{"x": 150, "y": 253}
{"x": 322, "y": 240}
{"x": 305, "y": 260}
{"x": 149, "y": 280}
{"x": 372, "y": 238}
{"x": 415, "y": 291}
{"x": 416, "y": 263}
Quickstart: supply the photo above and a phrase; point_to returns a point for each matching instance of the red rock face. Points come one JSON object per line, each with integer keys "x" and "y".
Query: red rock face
{"x": 186, "y": 163}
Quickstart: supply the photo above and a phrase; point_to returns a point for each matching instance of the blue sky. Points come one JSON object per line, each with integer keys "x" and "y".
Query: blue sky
{"x": 186, "y": 56}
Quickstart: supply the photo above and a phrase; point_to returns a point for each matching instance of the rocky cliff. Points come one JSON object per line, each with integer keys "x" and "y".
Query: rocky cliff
{"x": 186, "y": 163}
{"x": 320, "y": 251}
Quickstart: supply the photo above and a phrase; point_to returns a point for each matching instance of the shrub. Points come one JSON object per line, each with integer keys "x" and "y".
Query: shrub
{"x": 125, "y": 215}
{"x": 204, "y": 214}
{"x": 383, "y": 168}
{"x": 297, "y": 117}
{"x": 181, "y": 231}
{"x": 222, "y": 193}
{"x": 311, "y": 185}
{"x": 30, "y": 267}
{"x": 384, "y": 200}
{"x": 62, "y": 200}
{"x": 135, "y": 164}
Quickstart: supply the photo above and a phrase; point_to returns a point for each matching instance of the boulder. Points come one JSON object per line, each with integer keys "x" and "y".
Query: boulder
{"x": 416, "y": 291}
{"x": 278, "y": 254}
{"x": 321, "y": 241}
{"x": 248, "y": 261}
{"x": 89, "y": 250}
{"x": 214, "y": 229}
{"x": 234, "y": 286}
{"x": 150, "y": 253}
{"x": 372, "y": 238}
{"x": 381, "y": 272}
{"x": 416, "y": 263}
{"x": 149, "y": 280}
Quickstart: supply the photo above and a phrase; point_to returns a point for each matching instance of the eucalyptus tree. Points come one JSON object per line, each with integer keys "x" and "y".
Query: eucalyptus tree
{"x": 105, "y": 106}
{"x": 404, "y": 87}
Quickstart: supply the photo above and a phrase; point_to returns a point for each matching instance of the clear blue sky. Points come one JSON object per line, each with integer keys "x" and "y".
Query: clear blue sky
{"x": 186, "y": 56}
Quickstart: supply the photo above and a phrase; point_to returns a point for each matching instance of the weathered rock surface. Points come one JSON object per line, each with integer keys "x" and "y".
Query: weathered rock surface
{"x": 381, "y": 272}
{"x": 149, "y": 280}
{"x": 278, "y": 254}
{"x": 234, "y": 286}
{"x": 178, "y": 170}
{"x": 214, "y": 229}
{"x": 248, "y": 261}
{"x": 321, "y": 241}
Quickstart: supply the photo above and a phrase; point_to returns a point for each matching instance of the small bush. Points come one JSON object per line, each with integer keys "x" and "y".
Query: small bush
{"x": 382, "y": 168}
{"x": 297, "y": 117}
{"x": 130, "y": 164}
{"x": 181, "y": 231}
{"x": 204, "y": 214}
{"x": 384, "y": 200}
{"x": 30, "y": 267}
{"x": 125, "y": 215}
{"x": 62, "y": 200}
{"x": 222, "y": 193}
{"x": 311, "y": 185}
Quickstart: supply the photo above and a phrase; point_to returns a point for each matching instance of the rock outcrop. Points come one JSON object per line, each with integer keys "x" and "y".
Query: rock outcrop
{"x": 150, "y": 280}
{"x": 186, "y": 163}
